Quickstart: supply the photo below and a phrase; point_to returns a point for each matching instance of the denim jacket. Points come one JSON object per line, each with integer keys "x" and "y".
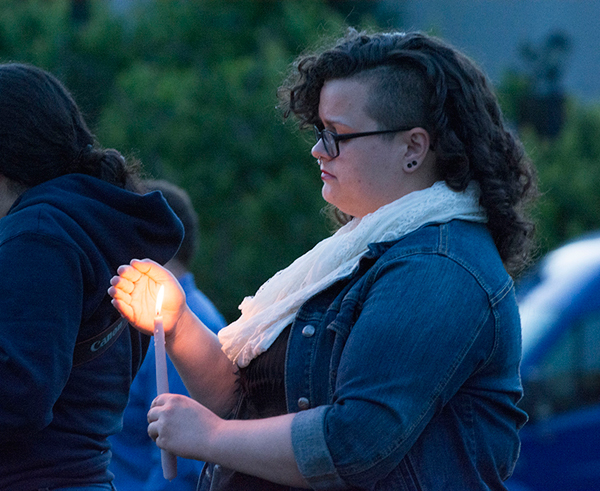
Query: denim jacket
{"x": 405, "y": 376}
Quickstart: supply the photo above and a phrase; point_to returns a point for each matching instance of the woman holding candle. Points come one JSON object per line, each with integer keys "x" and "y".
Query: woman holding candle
{"x": 70, "y": 213}
{"x": 387, "y": 357}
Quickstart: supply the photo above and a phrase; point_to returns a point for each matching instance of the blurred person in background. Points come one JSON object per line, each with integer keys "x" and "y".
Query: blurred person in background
{"x": 70, "y": 213}
{"x": 136, "y": 459}
{"x": 387, "y": 357}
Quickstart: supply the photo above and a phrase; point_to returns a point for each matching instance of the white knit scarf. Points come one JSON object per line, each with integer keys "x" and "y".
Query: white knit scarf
{"x": 276, "y": 302}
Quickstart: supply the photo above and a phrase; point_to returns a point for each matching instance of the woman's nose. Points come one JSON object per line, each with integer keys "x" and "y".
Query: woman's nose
{"x": 318, "y": 150}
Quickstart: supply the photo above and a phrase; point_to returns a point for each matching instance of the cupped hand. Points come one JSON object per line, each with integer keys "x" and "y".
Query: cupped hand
{"x": 134, "y": 293}
{"x": 182, "y": 426}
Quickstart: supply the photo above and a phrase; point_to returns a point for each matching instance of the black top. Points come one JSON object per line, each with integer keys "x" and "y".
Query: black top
{"x": 262, "y": 386}
{"x": 263, "y": 382}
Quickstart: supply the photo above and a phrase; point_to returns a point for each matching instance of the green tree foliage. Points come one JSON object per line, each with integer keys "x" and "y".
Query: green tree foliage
{"x": 198, "y": 103}
{"x": 568, "y": 166}
{"x": 569, "y": 177}
{"x": 561, "y": 135}
{"x": 189, "y": 88}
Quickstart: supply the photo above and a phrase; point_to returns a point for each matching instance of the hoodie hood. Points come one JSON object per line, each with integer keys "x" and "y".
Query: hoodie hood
{"x": 120, "y": 225}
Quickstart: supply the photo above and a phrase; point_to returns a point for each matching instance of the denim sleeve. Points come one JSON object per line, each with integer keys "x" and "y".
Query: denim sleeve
{"x": 425, "y": 326}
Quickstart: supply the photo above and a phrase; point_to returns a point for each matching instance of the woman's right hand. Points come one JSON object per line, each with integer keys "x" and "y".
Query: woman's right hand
{"x": 134, "y": 293}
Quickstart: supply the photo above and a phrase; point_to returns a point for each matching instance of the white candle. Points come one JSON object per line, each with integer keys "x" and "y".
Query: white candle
{"x": 169, "y": 461}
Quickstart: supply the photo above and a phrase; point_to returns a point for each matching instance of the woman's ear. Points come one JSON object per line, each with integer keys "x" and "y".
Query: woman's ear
{"x": 417, "y": 147}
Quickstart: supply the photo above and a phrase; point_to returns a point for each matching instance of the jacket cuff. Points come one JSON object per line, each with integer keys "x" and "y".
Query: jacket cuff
{"x": 310, "y": 449}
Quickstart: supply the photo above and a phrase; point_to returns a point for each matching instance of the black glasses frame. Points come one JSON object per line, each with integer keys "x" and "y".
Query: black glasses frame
{"x": 347, "y": 136}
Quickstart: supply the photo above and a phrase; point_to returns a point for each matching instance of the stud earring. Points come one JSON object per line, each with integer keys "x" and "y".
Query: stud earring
{"x": 412, "y": 164}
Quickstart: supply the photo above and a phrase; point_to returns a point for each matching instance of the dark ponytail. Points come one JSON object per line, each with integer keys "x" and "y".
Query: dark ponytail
{"x": 108, "y": 165}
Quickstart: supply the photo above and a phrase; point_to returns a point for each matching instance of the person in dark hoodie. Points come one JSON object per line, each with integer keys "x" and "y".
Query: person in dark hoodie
{"x": 70, "y": 214}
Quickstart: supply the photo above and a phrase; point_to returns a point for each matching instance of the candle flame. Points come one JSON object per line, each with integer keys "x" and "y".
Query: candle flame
{"x": 159, "y": 299}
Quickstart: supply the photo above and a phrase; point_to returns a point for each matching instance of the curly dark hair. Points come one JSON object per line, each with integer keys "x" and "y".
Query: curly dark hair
{"x": 419, "y": 80}
{"x": 43, "y": 134}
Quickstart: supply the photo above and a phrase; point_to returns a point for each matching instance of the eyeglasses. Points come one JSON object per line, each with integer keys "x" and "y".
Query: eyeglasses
{"x": 331, "y": 140}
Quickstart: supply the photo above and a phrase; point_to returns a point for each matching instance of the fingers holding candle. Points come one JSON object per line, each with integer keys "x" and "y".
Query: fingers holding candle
{"x": 181, "y": 426}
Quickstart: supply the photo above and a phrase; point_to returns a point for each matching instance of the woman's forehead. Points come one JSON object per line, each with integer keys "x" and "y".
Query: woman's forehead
{"x": 343, "y": 101}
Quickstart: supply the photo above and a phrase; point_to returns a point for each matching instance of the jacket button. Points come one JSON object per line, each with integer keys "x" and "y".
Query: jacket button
{"x": 303, "y": 403}
{"x": 308, "y": 331}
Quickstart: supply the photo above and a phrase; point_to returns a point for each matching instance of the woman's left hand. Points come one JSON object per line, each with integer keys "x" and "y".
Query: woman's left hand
{"x": 260, "y": 447}
{"x": 181, "y": 425}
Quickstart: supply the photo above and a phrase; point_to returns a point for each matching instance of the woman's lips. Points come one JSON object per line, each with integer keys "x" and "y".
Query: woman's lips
{"x": 326, "y": 175}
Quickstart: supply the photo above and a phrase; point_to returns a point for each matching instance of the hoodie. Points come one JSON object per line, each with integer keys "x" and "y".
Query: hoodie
{"x": 60, "y": 244}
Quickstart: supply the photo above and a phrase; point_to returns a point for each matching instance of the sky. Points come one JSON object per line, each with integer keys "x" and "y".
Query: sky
{"x": 490, "y": 32}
